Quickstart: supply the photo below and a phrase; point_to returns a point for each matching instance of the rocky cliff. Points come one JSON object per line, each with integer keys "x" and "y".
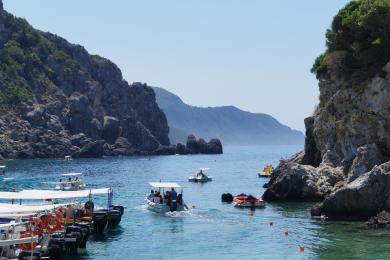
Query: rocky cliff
{"x": 347, "y": 145}
{"x": 57, "y": 99}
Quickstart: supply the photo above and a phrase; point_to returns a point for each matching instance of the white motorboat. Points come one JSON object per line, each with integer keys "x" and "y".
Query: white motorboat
{"x": 69, "y": 183}
{"x": 159, "y": 200}
{"x": 200, "y": 177}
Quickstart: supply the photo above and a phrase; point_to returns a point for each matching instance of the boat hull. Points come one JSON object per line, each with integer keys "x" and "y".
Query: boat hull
{"x": 199, "y": 180}
{"x": 162, "y": 208}
{"x": 245, "y": 202}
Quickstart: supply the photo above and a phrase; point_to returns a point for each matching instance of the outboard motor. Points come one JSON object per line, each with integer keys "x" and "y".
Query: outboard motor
{"x": 99, "y": 221}
{"x": 120, "y": 208}
{"x": 114, "y": 218}
{"x": 85, "y": 232}
{"x": 227, "y": 197}
{"x": 56, "y": 248}
{"x": 73, "y": 237}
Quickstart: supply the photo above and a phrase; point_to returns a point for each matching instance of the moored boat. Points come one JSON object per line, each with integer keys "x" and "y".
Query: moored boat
{"x": 248, "y": 201}
{"x": 200, "y": 177}
{"x": 71, "y": 182}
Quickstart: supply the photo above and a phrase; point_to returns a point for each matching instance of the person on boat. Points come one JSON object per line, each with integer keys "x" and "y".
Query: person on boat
{"x": 167, "y": 198}
{"x": 151, "y": 195}
{"x": 180, "y": 199}
{"x": 157, "y": 198}
{"x": 200, "y": 173}
{"x": 70, "y": 179}
{"x": 173, "y": 200}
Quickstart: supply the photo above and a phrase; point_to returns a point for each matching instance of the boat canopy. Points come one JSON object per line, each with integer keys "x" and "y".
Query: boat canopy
{"x": 60, "y": 182}
{"x": 72, "y": 174}
{"x": 3, "y": 166}
{"x": 51, "y": 194}
{"x": 7, "y": 208}
{"x": 164, "y": 185}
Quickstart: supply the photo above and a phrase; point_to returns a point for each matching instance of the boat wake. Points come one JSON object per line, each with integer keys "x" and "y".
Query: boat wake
{"x": 179, "y": 214}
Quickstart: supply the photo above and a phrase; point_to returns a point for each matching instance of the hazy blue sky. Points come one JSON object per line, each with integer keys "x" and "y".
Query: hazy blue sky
{"x": 254, "y": 54}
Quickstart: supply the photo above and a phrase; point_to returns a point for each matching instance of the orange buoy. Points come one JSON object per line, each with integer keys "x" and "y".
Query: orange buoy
{"x": 301, "y": 248}
{"x": 286, "y": 232}
{"x": 27, "y": 246}
{"x": 270, "y": 223}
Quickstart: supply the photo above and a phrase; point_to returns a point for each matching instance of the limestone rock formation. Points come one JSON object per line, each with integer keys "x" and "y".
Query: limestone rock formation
{"x": 200, "y": 146}
{"x": 57, "y": 100}
{"x": 347, "y": 145}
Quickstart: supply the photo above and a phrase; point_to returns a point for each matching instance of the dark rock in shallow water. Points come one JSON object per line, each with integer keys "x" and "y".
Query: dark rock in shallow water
{"x": 363, "y": 198}
{"x": 294, "y": 181}
{"x": 199, "y": 146}
{"x": 382, "y": 220}
{"x": 227, "y": 197}
{"x": 214, "y": 147}
{"x": 91, "y": 150}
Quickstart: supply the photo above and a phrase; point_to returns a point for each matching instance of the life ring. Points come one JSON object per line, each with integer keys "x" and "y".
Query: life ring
{"x": 49, "y": 226}
{"x": 38, "y": 225}
{"x": 27, "y": 246}
{"x": 59, "y": 214}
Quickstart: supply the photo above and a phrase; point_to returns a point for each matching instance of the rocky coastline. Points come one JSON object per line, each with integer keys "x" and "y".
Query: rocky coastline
{"x": 58, "y": 100}
{"x": 345, "y": 163}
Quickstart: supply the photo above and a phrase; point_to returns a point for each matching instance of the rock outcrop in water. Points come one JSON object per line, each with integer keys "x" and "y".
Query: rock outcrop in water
{"x": 57, "y": 100}
{"x": 347, "y": 147}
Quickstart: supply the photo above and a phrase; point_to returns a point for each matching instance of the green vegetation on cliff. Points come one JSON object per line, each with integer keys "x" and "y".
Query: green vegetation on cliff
{"x": 362, "y": 29}
{"x": 24, "y": 56}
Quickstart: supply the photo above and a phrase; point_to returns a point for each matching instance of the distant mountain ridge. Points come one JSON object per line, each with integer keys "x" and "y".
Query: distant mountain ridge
{"x": 228, "y": 123}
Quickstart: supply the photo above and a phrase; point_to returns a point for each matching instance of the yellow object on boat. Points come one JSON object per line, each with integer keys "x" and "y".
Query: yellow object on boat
{"x": 266, "y": 171}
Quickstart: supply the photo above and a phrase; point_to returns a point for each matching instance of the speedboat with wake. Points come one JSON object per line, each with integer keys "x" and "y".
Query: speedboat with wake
{"x": 68, "y": 182}
{"x": 248, "y": 201}
{"x": 164, "y": 198}
{"x": 200, "y": 177}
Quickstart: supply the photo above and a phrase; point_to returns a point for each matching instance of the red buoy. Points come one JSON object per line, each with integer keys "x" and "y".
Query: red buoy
{"x": 301, "y": 248}
{"x": 286, "y": 232}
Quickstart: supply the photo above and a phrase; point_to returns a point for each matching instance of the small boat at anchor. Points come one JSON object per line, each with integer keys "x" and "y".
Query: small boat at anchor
{"x": 267, "y": 171}
{"x": 248, "y": 201}
{"x": 200, "y": 177}
{"x": 71, "y": 182}
{"x": 164, "y": 198}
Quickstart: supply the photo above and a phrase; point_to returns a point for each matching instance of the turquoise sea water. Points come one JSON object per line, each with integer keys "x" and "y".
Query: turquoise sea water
{"x": 213, "y": 229}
